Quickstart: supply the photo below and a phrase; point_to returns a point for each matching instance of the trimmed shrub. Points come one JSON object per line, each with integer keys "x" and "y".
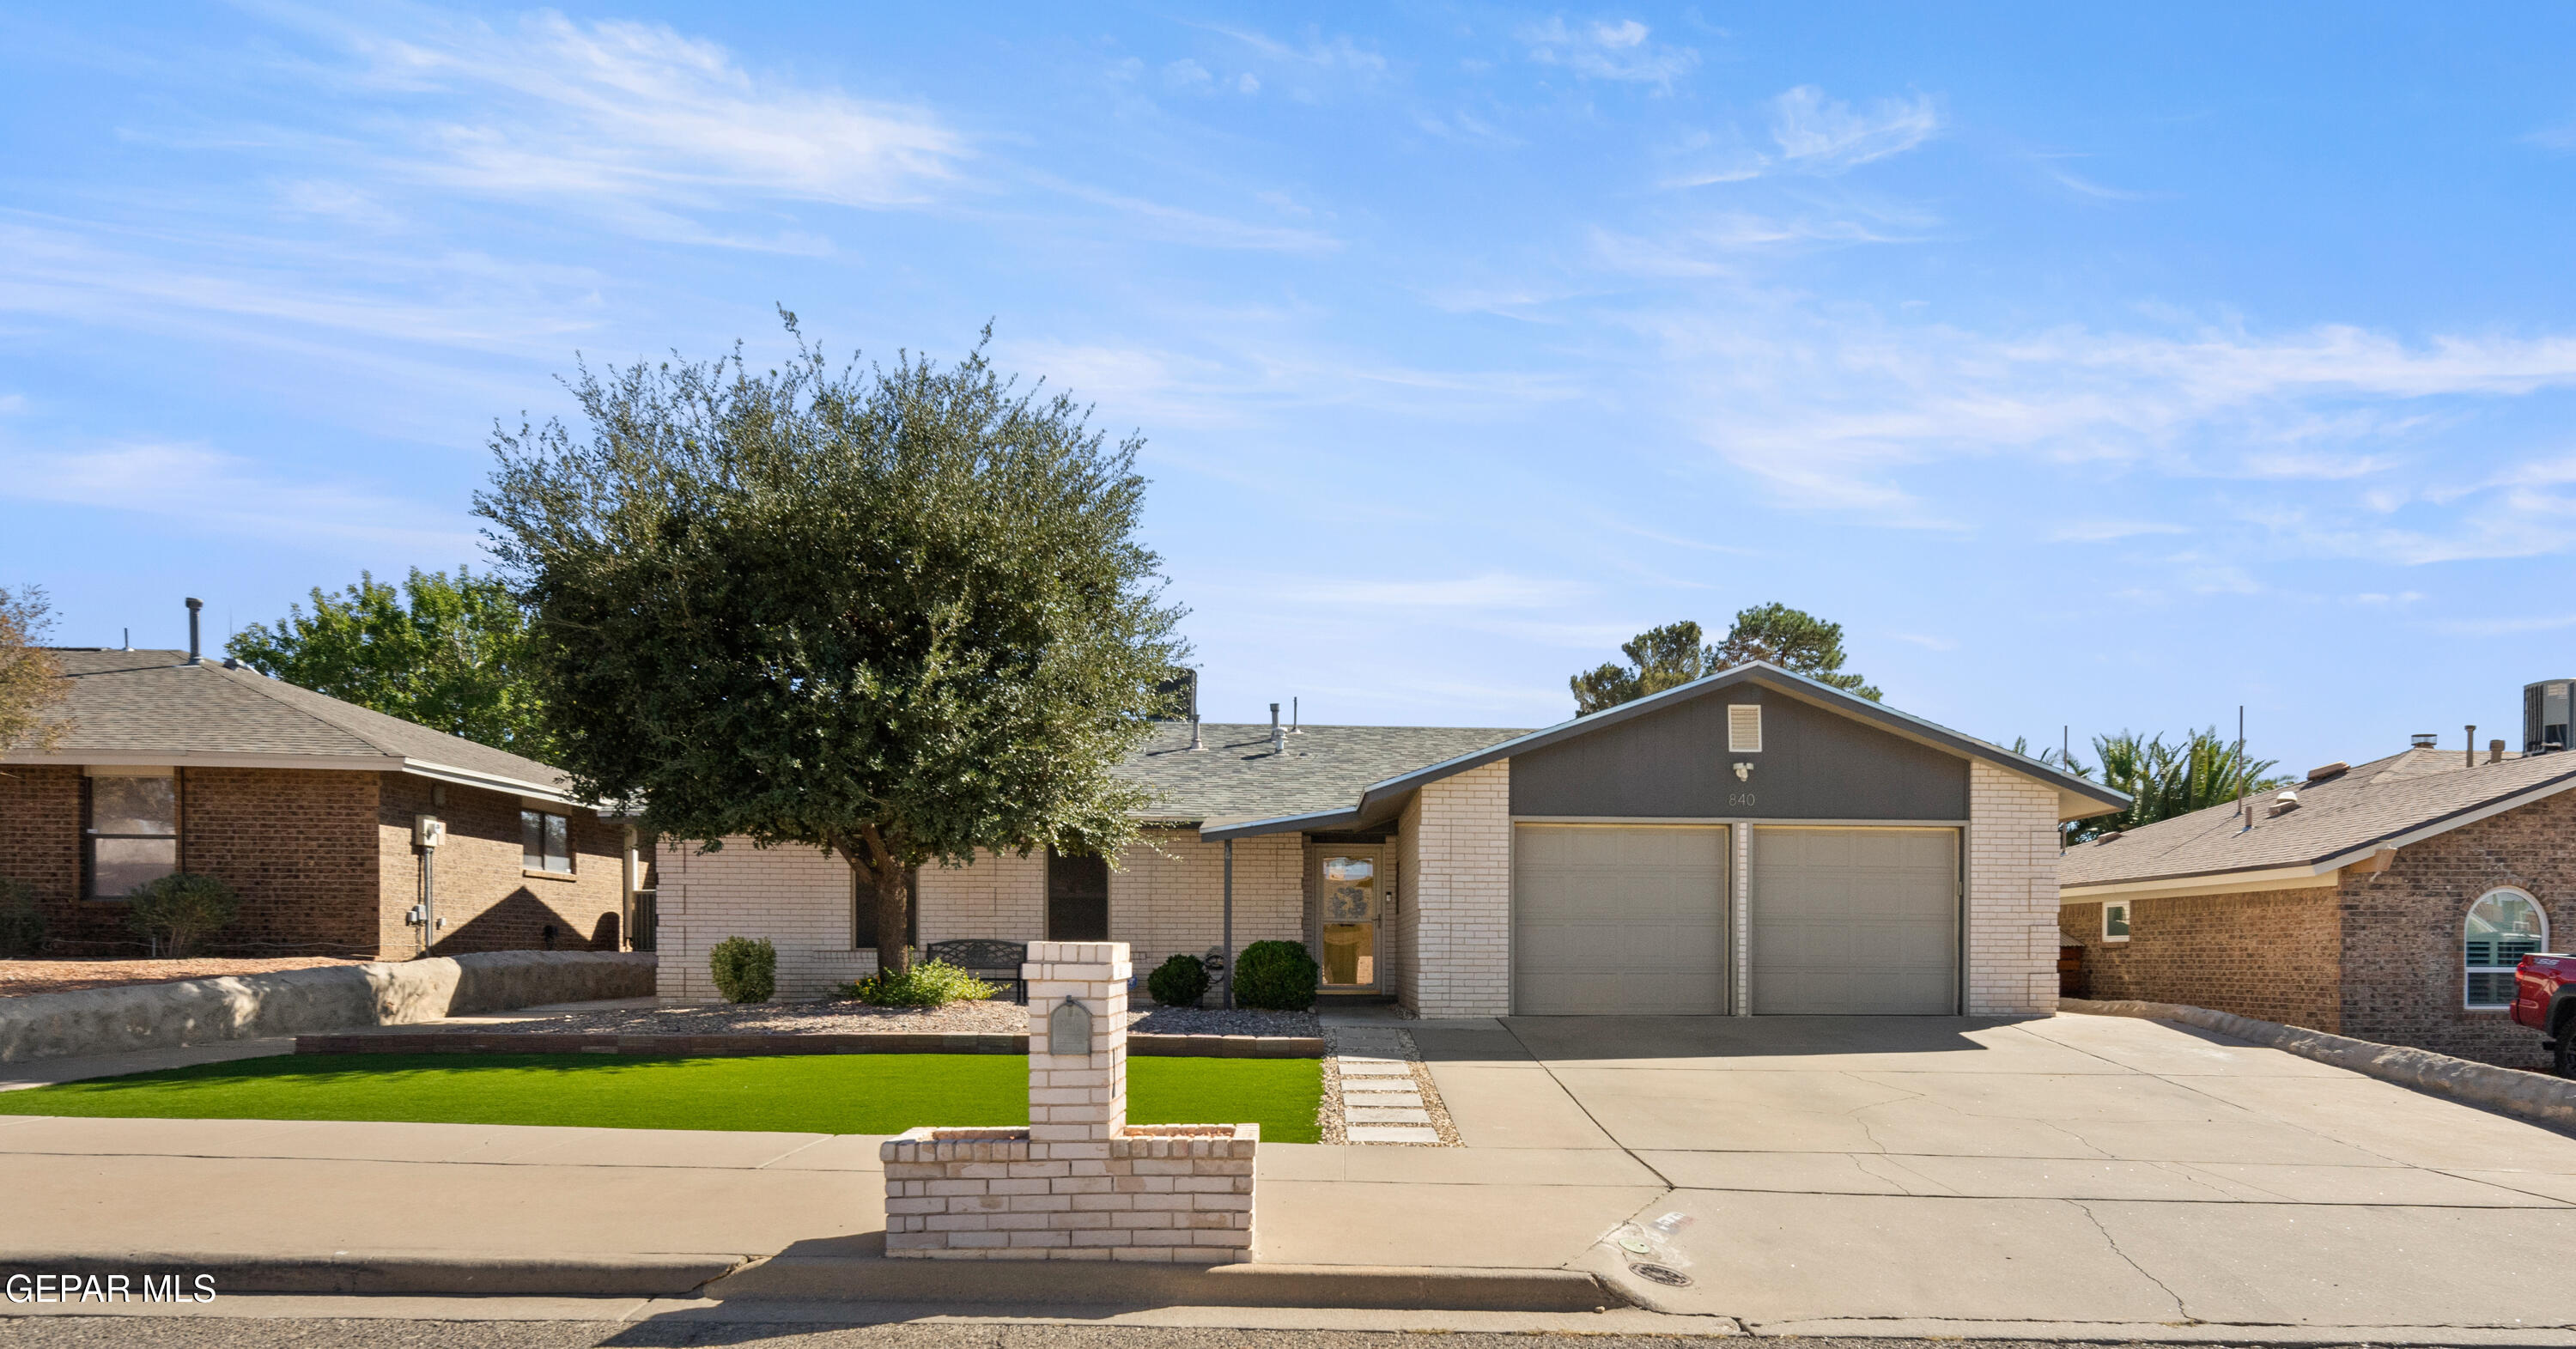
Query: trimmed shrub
{"x": 1178, "y": 982}
{"x": 1276, "y": 976}
{"x": 745, "y": 970}
{"x": 22, "y": 924}
{"x": 931, "y": 983}
{"x": 180, "y": 910}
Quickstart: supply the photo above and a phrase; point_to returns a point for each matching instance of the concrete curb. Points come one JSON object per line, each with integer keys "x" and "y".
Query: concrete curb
{"x": 402, "y": 1273}
{"x": 864, "y": 1277}
{"x": 788, "y": 1042}
{"x": 2509, "y": 1091}
{"x": 861, "y": 1276}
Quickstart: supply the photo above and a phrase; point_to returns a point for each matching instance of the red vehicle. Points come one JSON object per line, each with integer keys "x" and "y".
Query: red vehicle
{"x": 2544, "y": 998}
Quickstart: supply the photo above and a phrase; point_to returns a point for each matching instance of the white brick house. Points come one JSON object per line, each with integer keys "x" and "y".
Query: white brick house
{"x": 1751, "y": 842}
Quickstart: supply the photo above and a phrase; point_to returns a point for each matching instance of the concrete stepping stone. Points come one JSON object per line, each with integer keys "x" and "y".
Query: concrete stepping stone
{"x": 1374, "y": 1100}
{"x": 1374, "y": 1067}
{"x": 1369, "y": 1114}
{"x": 1393, "y": 1133}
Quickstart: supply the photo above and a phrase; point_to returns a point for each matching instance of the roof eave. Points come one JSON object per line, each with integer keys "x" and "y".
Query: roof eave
{"x": 341, "y": 763}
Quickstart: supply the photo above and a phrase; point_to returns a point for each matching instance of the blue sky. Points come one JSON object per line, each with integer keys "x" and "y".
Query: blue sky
{"x": 2091, "y": 367}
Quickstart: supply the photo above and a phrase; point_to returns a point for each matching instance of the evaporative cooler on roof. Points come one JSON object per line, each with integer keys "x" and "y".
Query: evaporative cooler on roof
{"x": 2545, "y": 715}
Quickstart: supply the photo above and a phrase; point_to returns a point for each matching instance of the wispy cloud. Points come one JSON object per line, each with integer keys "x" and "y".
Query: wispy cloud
{"x": 1821, "y": 135}
{"x": 1200, "y": 229}
{"x": 1605, "y": 50}
{"x": 549, "y": 108}
{"x": 226, "y": 494}
{"x": 1492, "y": 590}
{"x": 2107, "y": 531}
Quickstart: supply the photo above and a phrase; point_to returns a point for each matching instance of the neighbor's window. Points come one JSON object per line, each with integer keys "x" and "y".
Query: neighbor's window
{"x": 2115, "y": 922}
{"x": 2504, "y": 926}
{"x": 545, "y": 841}
{"x": 129, "y": 830}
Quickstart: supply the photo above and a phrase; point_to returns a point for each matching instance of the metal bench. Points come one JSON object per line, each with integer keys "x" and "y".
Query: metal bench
{"x": 994, "y": 962}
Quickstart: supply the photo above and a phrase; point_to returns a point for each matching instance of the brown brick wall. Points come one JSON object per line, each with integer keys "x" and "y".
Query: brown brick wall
{"x": 2403, "y": 973}
{"x": 40, "y": 835}
{"x": 490, "y": 903}
{"x": 295, "y": 844}
{"x": 2270, "y": 954}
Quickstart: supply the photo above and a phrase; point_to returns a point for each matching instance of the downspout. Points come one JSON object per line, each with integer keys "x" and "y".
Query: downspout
{"x": 1229, "y": 925}
{"x": 627, "y": 869}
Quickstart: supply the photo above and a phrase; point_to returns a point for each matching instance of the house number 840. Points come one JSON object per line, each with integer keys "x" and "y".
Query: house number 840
{"x": 1740, "y": 800}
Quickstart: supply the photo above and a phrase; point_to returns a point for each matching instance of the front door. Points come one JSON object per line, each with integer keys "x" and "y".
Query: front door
{"x": 1348, "y": 904}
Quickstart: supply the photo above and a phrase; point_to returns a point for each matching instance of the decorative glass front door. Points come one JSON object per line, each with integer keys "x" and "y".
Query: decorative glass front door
{"x": 1346, "y": 909}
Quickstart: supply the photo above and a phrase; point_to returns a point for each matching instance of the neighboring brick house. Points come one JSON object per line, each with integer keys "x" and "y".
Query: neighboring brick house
{"x": 308, "y": 807}
{"x": 2389, "y": 903}
{"x": 1751, "y": 842}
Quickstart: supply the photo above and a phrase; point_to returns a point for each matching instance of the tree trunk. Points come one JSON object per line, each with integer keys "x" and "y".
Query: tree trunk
{"x": 894, "y": 906}
{"x": 872, "y": 861}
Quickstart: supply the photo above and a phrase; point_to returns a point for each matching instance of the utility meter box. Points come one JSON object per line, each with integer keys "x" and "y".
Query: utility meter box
{"x": 428, "y": 831}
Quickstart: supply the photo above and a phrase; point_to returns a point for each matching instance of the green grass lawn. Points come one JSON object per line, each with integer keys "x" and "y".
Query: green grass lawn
{"x": 811, "y": 1093}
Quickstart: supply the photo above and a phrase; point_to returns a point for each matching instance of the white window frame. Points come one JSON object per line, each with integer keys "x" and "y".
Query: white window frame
{"x": 2467, "y": 970}
{"x": 2128, "y": 919}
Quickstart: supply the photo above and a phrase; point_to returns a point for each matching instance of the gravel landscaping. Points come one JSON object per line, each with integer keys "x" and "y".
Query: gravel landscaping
{"x": 845, "y": 1018}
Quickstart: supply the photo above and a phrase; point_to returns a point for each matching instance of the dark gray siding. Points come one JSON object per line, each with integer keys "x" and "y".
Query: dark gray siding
{"x": 1814, "y": 765}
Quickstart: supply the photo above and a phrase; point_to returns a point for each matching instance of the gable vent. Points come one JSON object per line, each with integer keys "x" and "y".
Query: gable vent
{"x": 1744, "y": 728}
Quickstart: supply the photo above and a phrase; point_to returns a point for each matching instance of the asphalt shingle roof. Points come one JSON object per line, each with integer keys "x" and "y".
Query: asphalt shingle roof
{"x": 1325, "y": 768}
{"x": 154, "y": 702}
{"x": 2369, "y": 803}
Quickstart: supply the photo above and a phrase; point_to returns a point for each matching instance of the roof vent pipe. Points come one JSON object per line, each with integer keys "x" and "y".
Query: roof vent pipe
{"x": 1294, "y": 726}
{"x": 1278, "y": 733}
{"x": 1195, "y": 742}
{"x": 193, "y": 606}
{"x": 2495, "y": 751}
{"x": 2469, "y": 751}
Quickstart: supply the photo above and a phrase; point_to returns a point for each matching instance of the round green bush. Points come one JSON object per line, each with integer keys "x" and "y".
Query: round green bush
{"x": 1277, "y": 976}
{"x": 745, "y": 970}
{"x": 181, "y": 909}
{"x": 1178, "y": 982}
{"x": 22, "y": 924}
{"x": 930, "y": 983}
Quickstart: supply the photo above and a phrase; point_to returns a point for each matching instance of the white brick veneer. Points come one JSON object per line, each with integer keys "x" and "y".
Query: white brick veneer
{"x": 2012, "y": 893}
{"x": 1454, "y": 934}
{"x": 1169, "y": 898}
{"x": 1166, "y": 898}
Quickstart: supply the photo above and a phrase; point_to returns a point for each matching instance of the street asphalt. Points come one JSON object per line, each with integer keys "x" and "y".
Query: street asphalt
{"x": 240, "y": 1333}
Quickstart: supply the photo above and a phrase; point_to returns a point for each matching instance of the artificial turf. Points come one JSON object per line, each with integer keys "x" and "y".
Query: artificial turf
{"x": 809, "y": 1093}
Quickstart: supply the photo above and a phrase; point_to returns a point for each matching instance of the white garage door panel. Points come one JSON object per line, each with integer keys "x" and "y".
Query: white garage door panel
{"x": 1855, "y": 920}
{"x": 1616, "y": 919}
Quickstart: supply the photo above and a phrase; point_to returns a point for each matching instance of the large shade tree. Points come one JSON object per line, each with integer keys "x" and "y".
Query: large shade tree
{"x": 900, "y": 613}
{"x": 31, "y": 681}
{"x": 449, "y": 652}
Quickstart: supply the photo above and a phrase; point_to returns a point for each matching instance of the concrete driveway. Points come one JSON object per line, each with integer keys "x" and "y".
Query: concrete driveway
{"x": 1832, "y": 1173}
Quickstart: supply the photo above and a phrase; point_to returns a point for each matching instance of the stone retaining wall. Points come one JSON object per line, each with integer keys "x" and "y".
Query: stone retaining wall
{"x": 296, "y": 1002}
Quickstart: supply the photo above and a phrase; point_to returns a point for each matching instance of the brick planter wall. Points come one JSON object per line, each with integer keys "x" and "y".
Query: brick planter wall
{"x": 1080, "y": 1182}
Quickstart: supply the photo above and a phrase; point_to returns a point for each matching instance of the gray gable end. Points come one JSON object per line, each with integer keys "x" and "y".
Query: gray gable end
{"x": 1673, "y": 764}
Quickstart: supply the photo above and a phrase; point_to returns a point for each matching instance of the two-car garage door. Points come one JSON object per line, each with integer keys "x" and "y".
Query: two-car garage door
{"x": 1638, "y": 919}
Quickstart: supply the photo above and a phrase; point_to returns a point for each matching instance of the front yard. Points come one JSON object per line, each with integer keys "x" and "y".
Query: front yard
{"x": 816, "y": 1093}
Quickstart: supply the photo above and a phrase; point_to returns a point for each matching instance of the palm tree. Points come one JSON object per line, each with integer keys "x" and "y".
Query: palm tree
{"x": 2165, "y": 780}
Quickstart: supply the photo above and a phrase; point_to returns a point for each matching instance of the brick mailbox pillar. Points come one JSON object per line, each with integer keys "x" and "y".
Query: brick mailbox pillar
{"x": 1080, "y": 1183}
